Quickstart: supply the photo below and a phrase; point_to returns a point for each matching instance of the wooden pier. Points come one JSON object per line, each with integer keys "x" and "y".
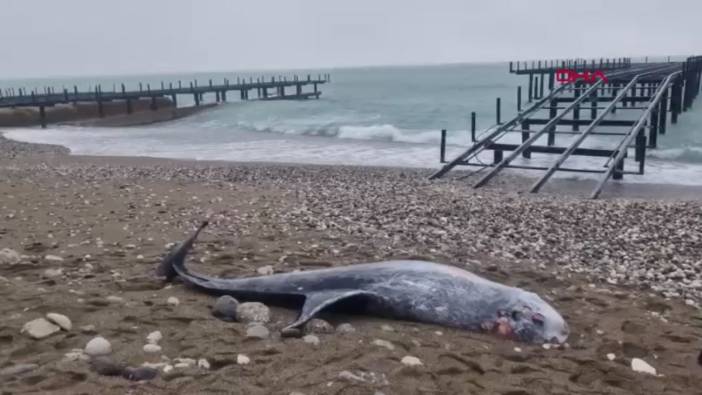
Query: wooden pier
{"x": 264, "y": 88}
{"x": 648, "y": 92}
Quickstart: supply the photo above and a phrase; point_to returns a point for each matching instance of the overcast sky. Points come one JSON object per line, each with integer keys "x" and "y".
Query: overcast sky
{"x": 98, "y": 37}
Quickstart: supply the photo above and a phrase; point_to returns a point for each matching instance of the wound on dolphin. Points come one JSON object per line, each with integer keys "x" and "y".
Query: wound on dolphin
{"x": 417, "y": 291}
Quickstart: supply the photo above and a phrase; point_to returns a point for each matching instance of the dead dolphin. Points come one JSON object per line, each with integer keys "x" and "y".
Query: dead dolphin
{"x": 409, "y": 290}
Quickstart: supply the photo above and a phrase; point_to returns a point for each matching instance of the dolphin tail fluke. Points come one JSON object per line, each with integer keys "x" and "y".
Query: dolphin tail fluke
{"x": 176, "y": 258}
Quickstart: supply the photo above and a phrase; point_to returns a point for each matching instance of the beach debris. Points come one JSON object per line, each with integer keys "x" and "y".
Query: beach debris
{"x": 202, "y": 363}
{"x": 16, "y": 370}
{"x": 142, "y": 373}
{"x": 154, "y": 337}
{"x": 265, "y": 270}
{"x": 311, "y": 339}
{"x": 319, "y": 326}
{"x": 641, "y": 366}
{"x": 242, "y": 359}
{"x": 151, "y": 348}
{"x": 60, "y": 320}
{"x": 253, "y": 312}
{"x": 257, "y": 331}
{"x": 40, "y": 328}
{"x": 345, "y": 328}
{"x": 611, "y": 356}
{"x": 53, "y": 258}
{"x": 411, "y": 361}
{"x": 173, "y": 301}
{"x": 9, "y": 256}
{"x": 98, "y": 346}
{"x": 384, "y": 344}
{"x": 225, "y": 308}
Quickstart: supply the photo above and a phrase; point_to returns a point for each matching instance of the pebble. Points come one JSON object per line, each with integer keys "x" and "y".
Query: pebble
{"x": 383, "y": 343}
{"x": 60, "y": 320}
{"x": 319, "y": 326}
{"x": 184, "y": 362}
{"x": 151, "y": 348}
{"x": 411, "y": 361}
{"x": 140, "y": 374}
{"x": 253, "y": 312}
{"x": 517, "y": 349}
{"x": 40, "y": 328}
{"x": 257, "y": 331}
{"x": 154, "y": 337}
{"x": 87, "y": 329}
{"x": 9, "y": 256}
{"x": 173, "y": 301}
{"x": 225, "y": 308}
{"x": 387, "y": 328}
{"x": 547, "y": 346}
{"x": 611, "y": 356}
{"x": 641, "y": 366}
{"x": 202, "y": 363}
{"x": 346, "y": 375}
{"x": 345, "y": 328}
{"x": 53, "y": 258}
{"x": 311, "y": 339}
{"x": 51, "y": 273}
{"x": 98, "y": 346}
{"x": 76, "y": 354}
{"x": 167, "y": 368}
{"x": 242, "y": 359}
{"x": 265, "y": 270}
{"x": 115, "y": 299}
{"x": 18, "y": 369}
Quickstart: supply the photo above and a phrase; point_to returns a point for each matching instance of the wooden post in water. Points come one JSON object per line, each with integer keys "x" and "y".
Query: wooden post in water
{"x": 663, "y": 112}
{"x": 472, "y": 126}
{"x": 442, "y": 153}
{"x": 541, "y": 86}
{"x": 525, "y": 136}
{"x": 519, "y": 98}
{"x": 576, "y": 109}
{"x": 498, "y": 106}
{"x": 42, "y": 116}
{"x": 531, "y": 87}
{"x": 653, "y": 129}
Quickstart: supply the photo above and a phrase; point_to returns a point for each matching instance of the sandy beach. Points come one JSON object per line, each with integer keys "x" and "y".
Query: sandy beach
{"x": 88, "y": 232}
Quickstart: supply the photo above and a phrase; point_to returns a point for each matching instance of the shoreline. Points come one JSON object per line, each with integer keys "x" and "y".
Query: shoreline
{"x": 572, "y": 188}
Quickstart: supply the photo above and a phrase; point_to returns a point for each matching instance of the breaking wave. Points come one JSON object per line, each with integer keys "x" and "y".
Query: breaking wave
{"x": 380, "y": 132}
{"x": 687, "y": 154}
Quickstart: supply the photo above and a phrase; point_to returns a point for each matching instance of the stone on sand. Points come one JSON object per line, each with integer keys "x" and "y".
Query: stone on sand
{"x": 53, "y": 258}
{"x": 139, "y": 374}
{"x": 384, "y": 344}
{"x": 411, "y": 361}
{"x": 40, "y": 328}
{"x": 319, "y": 326}
{"x": 257, "y": 331}
{"x": 9, "y": 256}
{"x": 242, "y": 359}
{"x": 225, "y": 308}
{"x": 98, "y": 346}
{"x": 202, "y": 363}
{"x": 105, "y": 366}
{"x": 345, "y": 328}
{"x": 173, "y": 301}
{"x": 151, "y": 348}
{"x": 253, "y": 312}
{"x": 641, "y": 366}
{"x": 60, "y": 320}
{"x": 311, "y": 339}
{"x": 51, "y": 273}
{"x": 154, "y": 337}
{"x": 265, "y": 270}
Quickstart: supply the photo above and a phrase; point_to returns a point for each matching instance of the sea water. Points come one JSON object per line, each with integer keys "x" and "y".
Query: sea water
{"x": 377, "y": 116}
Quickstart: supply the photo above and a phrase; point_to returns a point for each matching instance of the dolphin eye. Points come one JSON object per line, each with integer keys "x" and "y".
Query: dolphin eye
{"x": 516, "y": 315}
{"x": 538, "y": 319}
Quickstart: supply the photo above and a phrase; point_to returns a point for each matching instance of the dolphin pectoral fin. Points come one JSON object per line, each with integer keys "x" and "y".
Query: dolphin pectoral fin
{"x": 318, "y": 301}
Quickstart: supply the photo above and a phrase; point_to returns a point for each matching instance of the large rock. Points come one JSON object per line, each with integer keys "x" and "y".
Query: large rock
{"x": 9, "y": 256}
{"x": 40, "y": 328}
{"x": 253, "y": 312}
{"x": 98, "y": 346}
{"x": 225, "y": 308}
{"x": 257, "y": 331}
{"x": 60, "y": 320}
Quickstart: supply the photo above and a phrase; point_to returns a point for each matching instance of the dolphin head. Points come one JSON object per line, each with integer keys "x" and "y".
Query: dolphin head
{"x": 528, "y": 318}
{"x": 532, "y": 320}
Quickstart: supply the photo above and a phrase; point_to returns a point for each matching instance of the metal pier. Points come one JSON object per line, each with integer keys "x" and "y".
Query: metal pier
{"x": 646, "y": 92}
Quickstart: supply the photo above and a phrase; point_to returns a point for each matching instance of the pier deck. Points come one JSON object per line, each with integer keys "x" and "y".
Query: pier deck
{"x": 646, "y": 92}
{"x": 11, "y": 98}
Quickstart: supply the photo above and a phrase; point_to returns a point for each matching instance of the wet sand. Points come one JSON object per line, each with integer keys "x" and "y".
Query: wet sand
{"x": 110, "y": 220}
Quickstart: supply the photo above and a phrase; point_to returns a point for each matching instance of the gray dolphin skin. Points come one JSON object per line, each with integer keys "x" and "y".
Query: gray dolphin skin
{"x": 407, "y": 290}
